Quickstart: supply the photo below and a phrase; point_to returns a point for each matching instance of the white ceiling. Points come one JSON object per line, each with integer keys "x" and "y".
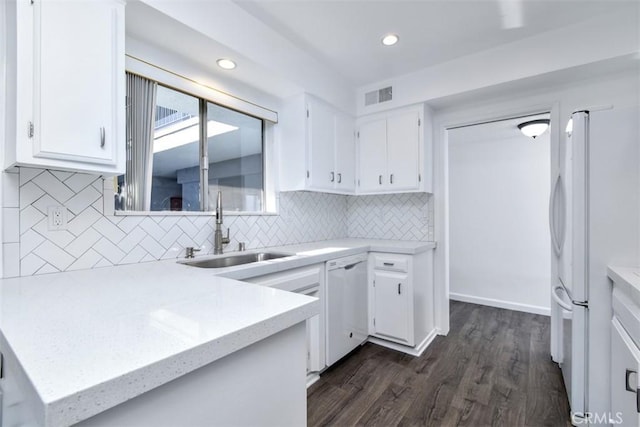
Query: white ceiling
{"x": 345, "y": 34}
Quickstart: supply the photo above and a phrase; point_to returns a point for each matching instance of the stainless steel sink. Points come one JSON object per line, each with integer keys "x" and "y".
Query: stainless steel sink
{"x": 231, "y": 260}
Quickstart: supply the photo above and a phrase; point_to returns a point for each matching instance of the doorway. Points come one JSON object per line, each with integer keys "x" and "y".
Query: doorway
{"x": 499, "y": 244}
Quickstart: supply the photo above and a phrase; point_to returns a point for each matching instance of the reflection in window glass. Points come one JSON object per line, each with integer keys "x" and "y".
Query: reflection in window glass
{"x": 176, "y": 169}
{"x": 173, "y": 176}
{"x": 234, "y": 147}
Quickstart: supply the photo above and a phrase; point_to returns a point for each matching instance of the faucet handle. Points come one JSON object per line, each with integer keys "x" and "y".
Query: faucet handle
{"x": 226, "y": 240}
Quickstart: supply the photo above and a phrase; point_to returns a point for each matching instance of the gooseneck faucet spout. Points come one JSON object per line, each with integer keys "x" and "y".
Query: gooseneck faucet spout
{"x": 218, "y": 239}
{"x": 219, "y": 209}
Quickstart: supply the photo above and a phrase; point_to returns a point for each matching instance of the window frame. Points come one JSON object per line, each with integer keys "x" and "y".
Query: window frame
{"x": 204, "y": 93}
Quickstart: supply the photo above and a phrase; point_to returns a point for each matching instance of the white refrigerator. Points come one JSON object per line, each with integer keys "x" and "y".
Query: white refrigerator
{"x": 594, "y": 211}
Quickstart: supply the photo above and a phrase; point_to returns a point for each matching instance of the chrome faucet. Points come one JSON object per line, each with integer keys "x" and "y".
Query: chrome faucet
{"x": 218, "y": 239}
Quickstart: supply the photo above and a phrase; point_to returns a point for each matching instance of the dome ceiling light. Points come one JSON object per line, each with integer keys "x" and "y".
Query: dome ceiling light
{"x": 534, "y": 128}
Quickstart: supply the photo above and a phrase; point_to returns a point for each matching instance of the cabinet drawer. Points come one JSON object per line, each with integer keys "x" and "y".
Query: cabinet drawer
{"x": 391, "y": 263}
{"x": 628, "y": 314}
{"x": 296, "y": 280}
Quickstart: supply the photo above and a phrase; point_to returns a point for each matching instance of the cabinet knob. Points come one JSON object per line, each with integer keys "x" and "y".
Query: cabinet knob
{"x": 102, "y": 136}
{"x": 333, "y": 177}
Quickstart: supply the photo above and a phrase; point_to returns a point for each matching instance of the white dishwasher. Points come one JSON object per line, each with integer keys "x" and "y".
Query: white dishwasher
{"x": 346, "y": 309}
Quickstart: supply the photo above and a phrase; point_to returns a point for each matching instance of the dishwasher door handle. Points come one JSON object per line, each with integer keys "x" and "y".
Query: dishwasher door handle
{"x": 350, "y": 266}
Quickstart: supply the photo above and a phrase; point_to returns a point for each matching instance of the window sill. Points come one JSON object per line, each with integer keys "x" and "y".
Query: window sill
{"x": 190, "y": 213}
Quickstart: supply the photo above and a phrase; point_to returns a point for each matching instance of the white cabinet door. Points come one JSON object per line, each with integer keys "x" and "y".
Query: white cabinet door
{"x": 372, "y": 155}
{"x": 625, "y": 384}
{"x": 345, "y": 154}
{"x": 321, "y": 128}
{"x": 391, "y": 306}
{"x": 403, "y": 139}
{"x": 78, "y": 89}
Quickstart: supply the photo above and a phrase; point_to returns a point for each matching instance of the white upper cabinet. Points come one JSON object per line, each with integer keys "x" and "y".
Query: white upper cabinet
{"x": 372, "y": 151}
{"x": 403, "y": 151}
{"x": 321, "y": 143}
{"x": 70, "y": 86}
{"x": 345, "y": 154}
{"x": 394, "y": 152}
{"x": 316, "y": 147}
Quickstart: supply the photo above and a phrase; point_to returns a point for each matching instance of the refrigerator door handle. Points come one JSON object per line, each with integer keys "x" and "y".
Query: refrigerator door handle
{"x": 558, "y": 300}
{"x": 552, "y": 219}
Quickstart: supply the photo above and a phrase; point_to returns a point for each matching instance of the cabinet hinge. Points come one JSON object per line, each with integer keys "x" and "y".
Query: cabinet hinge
{"x": 419, "y": 178}
{"x": 30, "y": 130}
{"x": 418, "y": 122}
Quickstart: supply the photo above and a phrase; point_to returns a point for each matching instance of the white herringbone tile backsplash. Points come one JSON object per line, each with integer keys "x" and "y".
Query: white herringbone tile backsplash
{"x": 93, "y": 239}
{"x": 391, "y": 216}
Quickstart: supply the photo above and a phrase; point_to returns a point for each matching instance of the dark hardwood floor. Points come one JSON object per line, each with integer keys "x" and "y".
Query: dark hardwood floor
{"x": 493, "y": 369}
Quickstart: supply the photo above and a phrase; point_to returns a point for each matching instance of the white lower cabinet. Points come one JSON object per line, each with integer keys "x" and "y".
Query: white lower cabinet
{"x": 392, "y": 305}
{"x": 307, "y": 281}
{"x": 401, "y": 299}
{"x": 625, "y": 357}
{"x": 625, "y": 384}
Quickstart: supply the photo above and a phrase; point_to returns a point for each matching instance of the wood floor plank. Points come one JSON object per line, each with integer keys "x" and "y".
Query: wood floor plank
{"x": 492, "y": 369}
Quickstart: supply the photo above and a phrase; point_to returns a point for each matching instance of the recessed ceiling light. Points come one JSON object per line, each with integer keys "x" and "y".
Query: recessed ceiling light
{"x": 227, "y": 64}
{"x": 390, "y": 39}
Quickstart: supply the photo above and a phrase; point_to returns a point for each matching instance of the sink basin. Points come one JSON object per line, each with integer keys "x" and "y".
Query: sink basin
{"x": 231, "y": 260}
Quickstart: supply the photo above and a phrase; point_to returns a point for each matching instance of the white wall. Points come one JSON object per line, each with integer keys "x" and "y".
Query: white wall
{"x": 620, "y": 89}
{"x": 499, "y": 240}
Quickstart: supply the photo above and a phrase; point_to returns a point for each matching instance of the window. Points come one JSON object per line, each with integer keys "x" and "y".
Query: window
{"x": 197, "y": 148}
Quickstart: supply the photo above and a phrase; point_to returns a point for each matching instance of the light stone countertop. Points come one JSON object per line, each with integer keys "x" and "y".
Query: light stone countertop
{"x": 86, "y": 341}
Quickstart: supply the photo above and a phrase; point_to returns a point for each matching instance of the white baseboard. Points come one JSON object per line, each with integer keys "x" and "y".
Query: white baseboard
{"x": 501, "y": 304}
{"x": 413, "y": 351}
{"x": 312, "y": 378}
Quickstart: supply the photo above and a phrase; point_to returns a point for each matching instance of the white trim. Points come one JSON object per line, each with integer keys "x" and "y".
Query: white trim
{"x": 527, "y": 308}
{"x": 312, "y": 378}
{"x": 413, "y": 351}
{"x": 189, "y": 213}
{"x": 177, "y": 81}
{"x": 493, "y": 110}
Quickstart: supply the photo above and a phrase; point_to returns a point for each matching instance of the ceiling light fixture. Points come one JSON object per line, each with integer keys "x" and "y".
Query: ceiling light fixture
{"x": 534, "y": 128}
{"x": 226, "y": 64}
{"x": 390, "y": 39}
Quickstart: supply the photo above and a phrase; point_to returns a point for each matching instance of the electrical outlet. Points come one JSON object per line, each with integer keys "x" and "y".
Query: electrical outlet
{"x": 57, "y": 218}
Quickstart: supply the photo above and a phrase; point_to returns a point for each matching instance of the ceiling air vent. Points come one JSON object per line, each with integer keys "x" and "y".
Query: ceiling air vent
{"x": 377, "y": 96}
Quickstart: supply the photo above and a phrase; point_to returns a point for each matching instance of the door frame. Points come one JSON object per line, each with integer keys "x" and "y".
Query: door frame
{"x": 451, "y": 119}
